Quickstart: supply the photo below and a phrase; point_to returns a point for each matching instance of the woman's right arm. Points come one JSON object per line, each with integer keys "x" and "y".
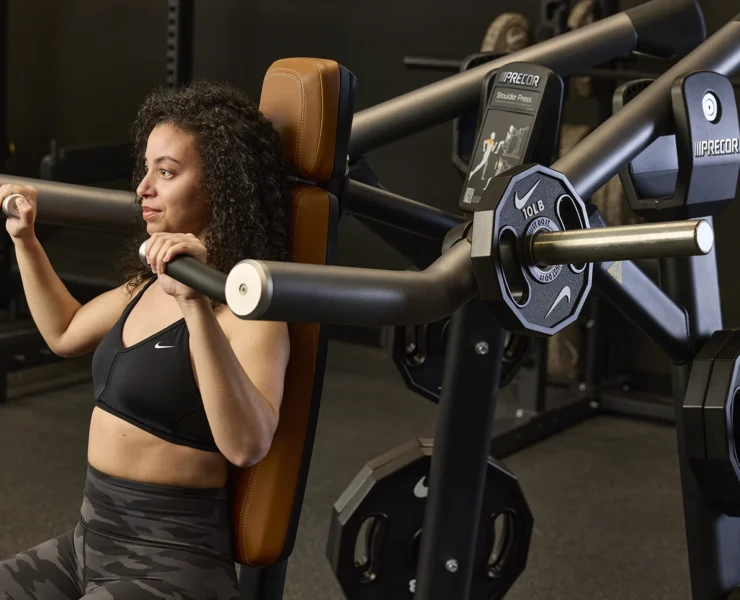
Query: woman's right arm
{"x": 68, "y": 328}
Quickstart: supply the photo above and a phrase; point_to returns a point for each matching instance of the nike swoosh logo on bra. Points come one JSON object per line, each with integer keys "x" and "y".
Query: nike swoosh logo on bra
{"x": 158, "y": 347}
{"x": 421, "y": 490}
{"x": 564, "y": 293}
{"x": 520, "y": 202}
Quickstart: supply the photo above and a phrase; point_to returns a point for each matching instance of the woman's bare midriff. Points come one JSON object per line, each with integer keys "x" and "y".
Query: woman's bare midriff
{"x": 121, "y": 449}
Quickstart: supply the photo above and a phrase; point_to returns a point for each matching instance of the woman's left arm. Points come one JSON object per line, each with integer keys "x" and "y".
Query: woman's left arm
{"x": 240, "y": 370}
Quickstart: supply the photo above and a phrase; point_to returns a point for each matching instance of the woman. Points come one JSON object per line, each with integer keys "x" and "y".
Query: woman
{"x": 182, "y": 386}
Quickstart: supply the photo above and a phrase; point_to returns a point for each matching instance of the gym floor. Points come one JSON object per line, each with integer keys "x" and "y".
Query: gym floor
{"x": 605, "y": 495}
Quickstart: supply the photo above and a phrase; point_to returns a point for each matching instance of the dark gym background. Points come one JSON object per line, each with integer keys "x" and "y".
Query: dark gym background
{"x": 77, "y": 70}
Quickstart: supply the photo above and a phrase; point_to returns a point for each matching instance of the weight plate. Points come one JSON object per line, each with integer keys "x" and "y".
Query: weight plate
{"x": 693, "y": 413}
{"x": 509, "y": 32}
{"x": 376, "y": 528}
{"x": 419, "y": 351}
{"x": 719, "y": 425}
{"x": 583, "y": 14}
{"x": 528, "y": 298}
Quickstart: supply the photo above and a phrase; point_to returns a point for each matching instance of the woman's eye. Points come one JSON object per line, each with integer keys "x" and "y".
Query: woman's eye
{"x": 165, "y": 172}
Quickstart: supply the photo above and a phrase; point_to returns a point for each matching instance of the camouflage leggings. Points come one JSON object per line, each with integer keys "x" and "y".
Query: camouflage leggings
{"x": 133, "y": 540}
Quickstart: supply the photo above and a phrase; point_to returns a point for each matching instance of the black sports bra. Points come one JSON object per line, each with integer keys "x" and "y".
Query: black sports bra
{"x": 151, "y": 384}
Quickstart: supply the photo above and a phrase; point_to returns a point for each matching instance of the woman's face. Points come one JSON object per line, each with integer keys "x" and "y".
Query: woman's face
{"x": 172, "y": 200}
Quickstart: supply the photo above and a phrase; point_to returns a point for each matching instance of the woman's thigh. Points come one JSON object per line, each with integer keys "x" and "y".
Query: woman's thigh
{"x": 121, "y": 569}
{"x": 48, "y": 571}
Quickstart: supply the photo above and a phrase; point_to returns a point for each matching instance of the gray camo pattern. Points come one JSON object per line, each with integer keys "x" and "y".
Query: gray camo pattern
{"x": 133, "y": 541}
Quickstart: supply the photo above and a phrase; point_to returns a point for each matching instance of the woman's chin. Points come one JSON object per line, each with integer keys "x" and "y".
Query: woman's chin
{"x": 153, "y": 227}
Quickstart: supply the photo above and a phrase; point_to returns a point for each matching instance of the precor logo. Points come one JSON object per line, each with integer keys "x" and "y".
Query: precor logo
{"x": 717, "y": 147}
{"x": 513, "y": 77}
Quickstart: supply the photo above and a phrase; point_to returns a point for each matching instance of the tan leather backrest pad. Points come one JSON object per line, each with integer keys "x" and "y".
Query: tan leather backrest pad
{"x": 301, "y": 98}
{"x": 262, "y": 496}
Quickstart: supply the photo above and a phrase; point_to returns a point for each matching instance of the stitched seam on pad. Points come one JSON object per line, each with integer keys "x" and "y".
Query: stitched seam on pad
{"x": 249, "y": 501}
{"x": 292, "y": 75}
{"x": 321, "y": 126}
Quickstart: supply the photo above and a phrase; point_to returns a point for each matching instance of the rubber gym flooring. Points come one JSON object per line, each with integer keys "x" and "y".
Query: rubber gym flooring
{"x": 605, "y": 494}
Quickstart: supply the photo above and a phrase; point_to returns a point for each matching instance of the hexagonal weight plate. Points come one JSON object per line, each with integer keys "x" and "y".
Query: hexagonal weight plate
{"x": 721, "y": 419}
{"x": 693, "y": 413}
{"x": 376, "y": 528}
{"x": 527, "y": 298}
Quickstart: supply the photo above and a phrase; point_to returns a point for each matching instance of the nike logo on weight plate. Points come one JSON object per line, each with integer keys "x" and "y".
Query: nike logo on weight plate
{"x": 512, "y": 37}
{"x": 521, "y": 202}
{"x": 420, "y": 489}
{"x": 564, "y": 293}
{"x": 158, "y": 347}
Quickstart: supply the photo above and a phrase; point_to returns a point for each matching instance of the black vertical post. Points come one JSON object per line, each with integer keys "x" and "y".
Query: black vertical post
{"x": 263, "y": 584}
{"x": 592, "y": 348}
{"x": 4, "y": 141}
{"x": 713, "y": 539}
{"x": 180, "y": 33}
{"x": 6, "y": 246}
{"x": 540, "y": 404}
{"x": 462, "y": 440}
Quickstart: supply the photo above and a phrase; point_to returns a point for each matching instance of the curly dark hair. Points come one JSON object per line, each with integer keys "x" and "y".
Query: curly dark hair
{"x": 244, "y": 174}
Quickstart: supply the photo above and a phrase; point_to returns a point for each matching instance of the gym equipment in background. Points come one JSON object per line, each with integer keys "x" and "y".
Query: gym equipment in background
{"x": 101, "y": 163}
{"x": 507, "y": 33}
{"x": 26, "y": 363}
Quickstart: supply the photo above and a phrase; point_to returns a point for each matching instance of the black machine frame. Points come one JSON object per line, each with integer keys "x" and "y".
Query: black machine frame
{"x": 679, "y": 319}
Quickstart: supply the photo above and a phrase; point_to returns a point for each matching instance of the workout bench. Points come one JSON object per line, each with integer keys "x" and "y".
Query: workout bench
{"x": 310, "y": 101}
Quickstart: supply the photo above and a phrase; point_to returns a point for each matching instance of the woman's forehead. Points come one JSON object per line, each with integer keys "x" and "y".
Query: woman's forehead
{"x": 168, "y": 140}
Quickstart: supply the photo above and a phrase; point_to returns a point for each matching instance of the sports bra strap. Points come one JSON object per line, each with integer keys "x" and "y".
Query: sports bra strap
{"x": 133, "y": 302}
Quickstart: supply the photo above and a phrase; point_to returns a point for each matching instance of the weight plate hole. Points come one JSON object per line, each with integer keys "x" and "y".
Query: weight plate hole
{"x": 503, "y": 536}
{"x": 415, "y": 547}
{"x": 513, "y": 345}
{"x": 570, "y": 218}
{"x": 368, "y": 547}
{"x": 511, "y": 267}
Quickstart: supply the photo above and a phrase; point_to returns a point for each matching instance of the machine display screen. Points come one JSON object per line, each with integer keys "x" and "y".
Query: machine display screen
{"x": 502, "y": 142}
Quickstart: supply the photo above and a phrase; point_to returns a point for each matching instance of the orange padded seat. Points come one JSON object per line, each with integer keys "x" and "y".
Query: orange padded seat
{"x": 309, "y": 101}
